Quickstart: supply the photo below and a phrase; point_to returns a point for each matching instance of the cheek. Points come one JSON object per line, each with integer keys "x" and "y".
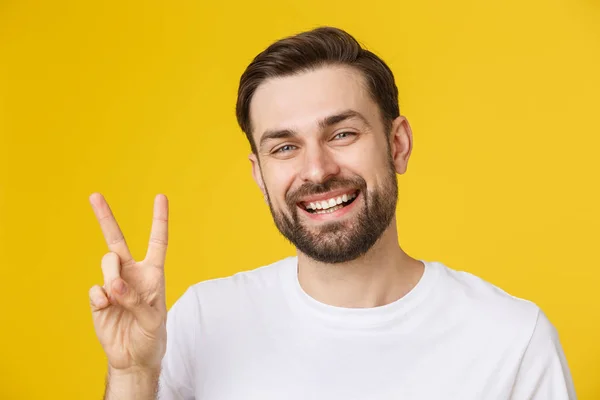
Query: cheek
{"x": 368, "y": 161}
{"x": 379, "y": 155}
{"x": 278, "y": 178}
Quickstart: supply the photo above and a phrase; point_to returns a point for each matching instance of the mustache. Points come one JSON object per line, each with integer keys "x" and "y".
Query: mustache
{"x": 309, "y": 188}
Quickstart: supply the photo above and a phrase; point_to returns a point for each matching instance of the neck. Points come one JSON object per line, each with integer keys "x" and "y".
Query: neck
{"x": 381, "y": 276}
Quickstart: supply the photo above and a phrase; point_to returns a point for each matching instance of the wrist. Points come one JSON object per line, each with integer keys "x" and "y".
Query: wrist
{"x": 133, "y": 371}
{"x": 132, "y": 383}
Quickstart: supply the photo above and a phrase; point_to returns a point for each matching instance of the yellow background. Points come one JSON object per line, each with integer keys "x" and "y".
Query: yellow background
{"x": 133, "y": 98}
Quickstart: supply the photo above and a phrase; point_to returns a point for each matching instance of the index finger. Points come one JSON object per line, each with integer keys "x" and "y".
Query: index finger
{"x": 159, "y": 236}
{"x": 110, "y": 229}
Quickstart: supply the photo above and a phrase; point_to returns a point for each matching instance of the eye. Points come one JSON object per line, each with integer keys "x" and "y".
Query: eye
{"x": 285, "y": 148}
{"x": 343, "y": 135}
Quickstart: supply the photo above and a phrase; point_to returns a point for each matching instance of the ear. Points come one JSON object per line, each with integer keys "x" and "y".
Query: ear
{"x": 257, "y": 175}
{"x": 401, "y": 142}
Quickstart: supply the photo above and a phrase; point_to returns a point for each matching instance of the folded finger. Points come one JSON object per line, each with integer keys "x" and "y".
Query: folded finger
{"x": 111, "y": 270}
{"x": 149, "y": 318}
{"x": 98, "y": 298}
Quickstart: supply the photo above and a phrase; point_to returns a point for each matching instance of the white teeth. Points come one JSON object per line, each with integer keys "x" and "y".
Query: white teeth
{"x": 329, "y": 210}
{"x": 330, "y": 203}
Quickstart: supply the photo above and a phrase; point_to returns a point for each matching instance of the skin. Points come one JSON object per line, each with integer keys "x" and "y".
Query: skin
{"x": 130, "y": 323}
{"x": 314, "y": 153}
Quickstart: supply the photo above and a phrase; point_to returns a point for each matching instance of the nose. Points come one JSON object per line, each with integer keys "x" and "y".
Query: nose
{"x": 318, "y": 165}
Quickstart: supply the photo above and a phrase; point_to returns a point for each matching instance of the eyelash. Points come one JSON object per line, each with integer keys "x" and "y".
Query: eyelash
{"x": 345, "y": 133}
{"x": 281, "y": 149}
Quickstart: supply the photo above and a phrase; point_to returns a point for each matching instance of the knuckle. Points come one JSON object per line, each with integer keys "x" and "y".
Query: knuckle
{"x": 117, "y": 240}
{"x": 127, "y": 263}
{"x": 159, "y": 241}
{"x": 106, "y": 217}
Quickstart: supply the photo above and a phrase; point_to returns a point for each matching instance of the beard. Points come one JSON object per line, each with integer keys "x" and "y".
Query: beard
{"x": 335, "y": 242}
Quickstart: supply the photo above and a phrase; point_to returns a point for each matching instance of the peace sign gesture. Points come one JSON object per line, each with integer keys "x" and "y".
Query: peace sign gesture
{"x": 129, "y": 311}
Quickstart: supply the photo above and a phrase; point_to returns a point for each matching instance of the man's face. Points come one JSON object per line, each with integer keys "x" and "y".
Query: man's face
{"x": 324, "y": 162}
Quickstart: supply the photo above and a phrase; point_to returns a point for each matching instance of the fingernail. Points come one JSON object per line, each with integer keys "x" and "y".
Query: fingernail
{"x": 120, "y": 287}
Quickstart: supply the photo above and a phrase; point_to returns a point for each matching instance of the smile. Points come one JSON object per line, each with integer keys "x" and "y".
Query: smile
{"x": 329, "y": 205}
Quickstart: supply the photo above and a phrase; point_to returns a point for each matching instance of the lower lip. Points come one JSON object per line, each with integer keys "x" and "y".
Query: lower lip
{"x": 332, "y": 215}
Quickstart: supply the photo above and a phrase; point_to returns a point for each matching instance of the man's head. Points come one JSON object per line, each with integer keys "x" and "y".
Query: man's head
{"x": 322, "y": 118}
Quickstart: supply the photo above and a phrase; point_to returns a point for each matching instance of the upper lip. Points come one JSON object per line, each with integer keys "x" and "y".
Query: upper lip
{"x": 326, "y": 196}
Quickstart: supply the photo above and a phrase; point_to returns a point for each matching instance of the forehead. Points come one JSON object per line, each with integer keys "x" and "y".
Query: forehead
{"x": 300, "y": 101}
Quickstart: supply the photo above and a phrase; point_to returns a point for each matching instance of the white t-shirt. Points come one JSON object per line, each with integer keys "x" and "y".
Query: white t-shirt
{"x": 258, "y": 335}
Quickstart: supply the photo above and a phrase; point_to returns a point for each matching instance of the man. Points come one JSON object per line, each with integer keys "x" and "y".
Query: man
{"x": 352, "y": 316}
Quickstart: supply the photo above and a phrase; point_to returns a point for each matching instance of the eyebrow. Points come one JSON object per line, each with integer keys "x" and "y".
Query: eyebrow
{"x": 324, "y": 123}
{"x": 344, "y": 115}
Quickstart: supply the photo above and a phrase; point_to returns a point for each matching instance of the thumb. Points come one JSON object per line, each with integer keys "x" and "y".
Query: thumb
{"x": 148, "y": 318}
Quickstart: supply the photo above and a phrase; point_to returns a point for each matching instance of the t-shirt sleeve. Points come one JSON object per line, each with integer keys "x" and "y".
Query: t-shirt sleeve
{"x": 544, "y": 373}
{"x": 177, "y": 375}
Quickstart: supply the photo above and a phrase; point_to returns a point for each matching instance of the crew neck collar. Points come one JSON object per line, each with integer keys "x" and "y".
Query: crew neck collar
{"x": 358, "y": 318}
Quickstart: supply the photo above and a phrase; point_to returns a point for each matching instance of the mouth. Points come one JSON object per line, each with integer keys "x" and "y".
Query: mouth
{"x": 328, "y": 205}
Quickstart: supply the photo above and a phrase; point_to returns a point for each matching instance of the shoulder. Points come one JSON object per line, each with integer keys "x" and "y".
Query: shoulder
{"x": 261, "y": 282}
{"x": 507, "y": 330}
{"x": 485, "y": 296}
{"x": 260, "y": 278}
{"x": 485, "y": 306}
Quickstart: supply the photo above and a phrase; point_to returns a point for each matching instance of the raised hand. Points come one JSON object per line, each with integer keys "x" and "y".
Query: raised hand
{"x": 129, "y": 311}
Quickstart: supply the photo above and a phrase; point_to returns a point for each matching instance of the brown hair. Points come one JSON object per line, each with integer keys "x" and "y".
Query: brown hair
{"x": 309, "y": 50}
